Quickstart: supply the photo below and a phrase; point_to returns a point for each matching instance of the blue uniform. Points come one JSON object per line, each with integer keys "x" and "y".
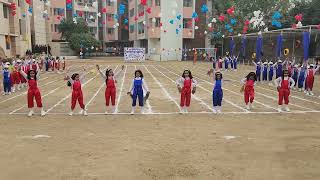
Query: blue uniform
{"x": 231, "y": 63}
{"x": 265, "y": 73}
{"x": 6, "y": 81}
{"x": 302, "y": 77}
{"x": 258, "y": 72}
{"x": 137, "y": 92}
{"x": 217, "y": 94}
{"x": 279, "y": 70}
{"x": 235, "y": 61}
{"x": 271, "y": 73}
{"x": 226, "y": 63}
{"x": 295, "y": 75}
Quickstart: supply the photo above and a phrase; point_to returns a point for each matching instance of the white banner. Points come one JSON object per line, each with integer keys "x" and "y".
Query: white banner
{"x": 134, "y": 54}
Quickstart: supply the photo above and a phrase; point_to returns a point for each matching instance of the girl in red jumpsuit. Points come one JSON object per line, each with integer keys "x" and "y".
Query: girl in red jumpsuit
{"x": 310, "y": 79}
{"x": 75, "y": 82}
{"x": 110, "y": 93}
{"x": 284, "y": 84}
{"x": 16, "y": 80}
{"x": 33, "y": 92}
{"x": 249, "y": 83}
{"x": 186, "y": 85}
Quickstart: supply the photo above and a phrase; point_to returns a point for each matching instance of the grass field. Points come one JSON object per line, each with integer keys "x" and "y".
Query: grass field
{"x": 260, "y": 144}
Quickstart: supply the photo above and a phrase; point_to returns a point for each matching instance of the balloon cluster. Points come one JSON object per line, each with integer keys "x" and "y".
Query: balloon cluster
{"x": 122, "y": 9}
{"x": 298, "y": 18}
{"x": 69, "y": 4}
{"x": 13, "y": 8}
{"x": 276, "y": 19}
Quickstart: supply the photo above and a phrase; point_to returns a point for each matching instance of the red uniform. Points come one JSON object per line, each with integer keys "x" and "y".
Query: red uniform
{"x": 186, "y": 93}
{"x": 57, "y": 65}
{"x": 284, "y": 92}
{"x": 34, "y": 67}
{"x": 76, "y": 95}
{"x": 249, "y": 91}
{"x": 310, "y": 79}
{"x": 16, "y": 75}
{"x": 52, "y": 64}
{"x": 110, "y": 92}
{"x": 290, "y": 70}
{"x": 34, "y": 92}
{"x": 24, "y": 69}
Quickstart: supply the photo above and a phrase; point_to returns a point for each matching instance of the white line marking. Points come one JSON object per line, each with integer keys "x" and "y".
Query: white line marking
{"x": 163, "y": 89}
{"x": 121, "y": 89}
{"x": 69, "y": 95}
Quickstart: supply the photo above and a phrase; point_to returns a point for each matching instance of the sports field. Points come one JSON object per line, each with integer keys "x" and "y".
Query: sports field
{"x": 260, "y": 144}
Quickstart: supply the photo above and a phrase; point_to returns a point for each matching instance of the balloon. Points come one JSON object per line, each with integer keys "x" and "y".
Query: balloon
{"x": 149, "y": 10}
{"x": 154, "y": 20}
{"x": 276, "y": 15}
{"x": 179, "y": 17}
{"x": 194, "y": 15}
{"x": 143, "y": 2}
{"x": 222, "y": 18}
{"x": 204, "y": 8}
{"x": 210, "y": 25}
{"x": 299, "y": 25}
{"x": 230, "y": 11}
{"x": 233, "y": 21}
{"x": 247, "y": 22}
{"x": 171, "y": 21}
{"x": 196, "y": 27}
{"x": 214, "y": 20}
{"x": 298, "y": 17}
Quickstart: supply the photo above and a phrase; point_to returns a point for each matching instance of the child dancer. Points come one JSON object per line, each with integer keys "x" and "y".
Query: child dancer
{"x": 16, "y": 76}
{"x": 258, "y": 70}
{"x": 231, "y": 62}
{"x": 310, "y": 79}
{"x": 33, "y": 92}
{"x": 235, "y": 63}
{"x": 75, "y": 82}
{"x": 64, "y": 64}
{"x": 279, "y": 68}
{"x": 110, "y": 78}
{"x": 186, "y": 85}
{"x": 284, "y": 84}
{"x": 295, "y": 74}
{"x": 302, "y": 77}
{"x": 217, "y": 93}
{"x": 137, "y": 91}
{"x": 249, "y": 82}
{"x": 271, "y": 72}
{"x": 6, "y": 80}
{"x": 265, "y": 72}
{"x": 226, "y": 63}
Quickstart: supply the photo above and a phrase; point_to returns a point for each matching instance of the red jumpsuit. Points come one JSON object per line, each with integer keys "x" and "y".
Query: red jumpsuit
{"x": 52, "y": 64}
{"x": 290, "y": 70}
{"x": 284, "y": 92}
{"x": 76, "y": 95}
{"x": 249, "y": 91}
{"x": 16, "y": 75}
{"x": 110, "y": 92}
{"x": 34, "y": 92}
{"x": 186, "y": 93}
{"x": 57, "y": 65}
{"x": 310, "y": 79}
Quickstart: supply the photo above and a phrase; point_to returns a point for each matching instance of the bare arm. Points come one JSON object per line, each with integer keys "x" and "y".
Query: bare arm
{"x": 38, "y": 71}
{"x": 23, "y": 74}
{"x": 292, "y": 82}
{"x": 144, "y": 85}
{"x": 244, "y": 80}
{"x": 277, "y": 81}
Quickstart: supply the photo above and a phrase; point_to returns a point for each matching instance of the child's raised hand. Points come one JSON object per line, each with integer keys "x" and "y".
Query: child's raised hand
{"x": 179, "y": 89}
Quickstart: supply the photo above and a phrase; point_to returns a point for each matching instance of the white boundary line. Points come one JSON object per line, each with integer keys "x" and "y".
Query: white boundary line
{"x": 173, "y": 113}
{"x": 69, "y": 95}
{"x": 201, "y": 102}
{"x": 166, "y": 93}
{"x": 121, "y": 89}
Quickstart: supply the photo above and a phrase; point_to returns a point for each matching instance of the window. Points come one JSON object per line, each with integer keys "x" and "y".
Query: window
{"x": 20, "y": 26}
{"x": 157, "y": 2}
{"x": 5, "y": 11}
{"x": 132, "y": 12}
{"x": 56, "y": 29}
{"x": 157, "y": 23}
{"x": 58, "y": 11}
{"x": 110, "y": 31}
{"x": 187, "y": 3}
{"x": 140, "y": 28}
{"x": 131, "y": 28}
{"x": 8, "y": 41}
{"x": 110, "y": 3}
{"x": 186, "y": 23}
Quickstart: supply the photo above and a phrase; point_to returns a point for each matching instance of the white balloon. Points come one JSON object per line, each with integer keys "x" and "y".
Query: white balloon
{"x": 266, "y": 29}
{"x": 239, "y": 34}
{"x": 299, "y": 24}
{"x": 196, "y": 27}
{"x": 214, "y": 20}
{"x": 210, "y": 25}
{"x": 154, "y": 20}
{"x": 205, "y": 32}
{"x": 117, "y": 24}
{"x": 143, "y": 22}
{"x": 222, "y": 36}
{"x": 114, "y": 26}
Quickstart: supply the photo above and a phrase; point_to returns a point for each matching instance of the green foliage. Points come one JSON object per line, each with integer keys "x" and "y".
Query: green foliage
{"x": 310, "y": 9}
{"x": 84, "y": 39}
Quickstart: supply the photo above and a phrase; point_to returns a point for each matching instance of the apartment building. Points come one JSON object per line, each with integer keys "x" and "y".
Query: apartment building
{"x": 155, "y": 31}
{"x": 15, "y": 31}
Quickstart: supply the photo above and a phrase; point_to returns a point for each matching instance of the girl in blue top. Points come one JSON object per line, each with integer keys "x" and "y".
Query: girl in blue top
{"x": 258, "y": 70}
{"x": 217, "y": 93}
{"x": 6, "y": 80}
{"x": 265, "y": 72}
{"x": 137, "y": 89}
{"x": 302, "y": 77}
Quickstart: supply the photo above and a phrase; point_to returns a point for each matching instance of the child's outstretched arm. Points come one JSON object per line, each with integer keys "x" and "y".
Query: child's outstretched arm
{"x": 23, "y": 73}
{"x": 101, "y": 73}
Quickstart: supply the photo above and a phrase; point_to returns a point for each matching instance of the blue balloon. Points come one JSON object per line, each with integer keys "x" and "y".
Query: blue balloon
{"x": 194, "y": 15}
{"x": 171, "y": 21}
{"x": 30, "y": 10}
{"x": 233, "y": 21}
{"x": 227, "y": 26}
{"x": 126, "y": 21}
{"x": 204, "y": 8}
{"x": 179, "y": 17}
{"x": 177, "y": 31}
{"x": 276, "y": 15}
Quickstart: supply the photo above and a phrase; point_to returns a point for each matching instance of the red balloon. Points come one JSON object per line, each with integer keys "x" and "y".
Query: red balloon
{"x": 222, "y": 18}
{"x": 149, "y": 10}
{"x": 104, "y": 10}
{"x": 28, "y": 2}
{"x": 143, "y": 2}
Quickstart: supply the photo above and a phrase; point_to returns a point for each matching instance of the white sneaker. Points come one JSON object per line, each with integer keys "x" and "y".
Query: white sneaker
{"x": 13, "y": 90}
{"x": 71, "y": 113}
{"x": 43, "y": 113}
{"x": 219, "y": 109}
{"x": 247, "y": 107}
{"x": 311, "y": 93}
{"x": 279, "y": 108}
{"x": 3, "y": 94}
{"x": 286, "y": 108}
{"x": 106, "y": 113}
{"x": 300, "y": 90}
{"x": 251, "y": 105}
{"x": 214, "y": 110}
{"x": 81, "y": 111}
{"x": 142, "y": 110}
{"x": 181, "y": 111}
{"x": 30, "y": 113}
{"x": 9, "y": 93}
{"x": 185, "y": 109}
{"x": 85, "y": 113}
{"x": 132, "y": 111}
{"x": 113, "y": 109}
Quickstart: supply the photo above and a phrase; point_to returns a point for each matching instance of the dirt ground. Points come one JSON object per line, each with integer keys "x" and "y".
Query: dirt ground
{"x": 162, "y": 144}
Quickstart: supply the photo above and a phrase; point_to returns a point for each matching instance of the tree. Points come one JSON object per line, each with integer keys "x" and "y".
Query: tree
{"x": 67, "y": 27}
{"x": 310, "y": 9}
{"x": 85, "y": 40}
